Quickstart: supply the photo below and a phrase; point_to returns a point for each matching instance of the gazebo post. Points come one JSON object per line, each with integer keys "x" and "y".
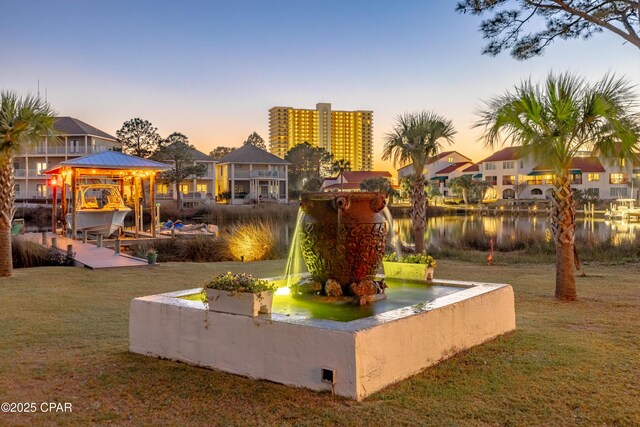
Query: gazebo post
{"x": 74, "y": 200}
{"x": 152, "y": 197}
{"x": 136, "y": 205}
{"x": 63, "y": 204}
{"x": 54, "y": 213}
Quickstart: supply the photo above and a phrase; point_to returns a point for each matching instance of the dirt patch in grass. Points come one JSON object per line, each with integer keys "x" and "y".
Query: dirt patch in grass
{"x": 64, "y": 338}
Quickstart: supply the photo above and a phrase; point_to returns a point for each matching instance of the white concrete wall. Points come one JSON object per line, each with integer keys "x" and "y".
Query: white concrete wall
{"x": 397, "y": 350}
{"x": 255, "y": 347}
{"x": 367, "y": 354}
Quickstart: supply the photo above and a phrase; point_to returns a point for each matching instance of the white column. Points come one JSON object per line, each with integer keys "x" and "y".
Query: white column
{"x": 232, "y": 178}
{"x": 286, "y": 183}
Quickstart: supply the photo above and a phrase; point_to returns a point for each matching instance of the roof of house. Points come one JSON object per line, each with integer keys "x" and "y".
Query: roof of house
{"x": 452, "y": 167}
{"x": 473, "y": 168}
{"x": 439, "y": 157}
{"x": 507, "y": 153}
{"x": 110, "y": 160}
{"x": 71, "y": 126}
{"x": 448, "y": 153}
{"x": 359, "y": 176}
{"x": 585, "y": 164}
{"x": 249, "y": 153}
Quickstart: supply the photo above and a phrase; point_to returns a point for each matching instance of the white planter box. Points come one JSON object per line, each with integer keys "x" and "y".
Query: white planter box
{"x": 244, "y": 303}
{"x": 402, "y": 270}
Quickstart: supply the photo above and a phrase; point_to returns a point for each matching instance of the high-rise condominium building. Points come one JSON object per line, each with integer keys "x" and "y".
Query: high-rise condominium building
{"x": 348, "y": 135}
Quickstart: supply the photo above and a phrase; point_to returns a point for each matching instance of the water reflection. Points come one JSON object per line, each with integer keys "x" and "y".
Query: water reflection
{"x": 452, "y": 228}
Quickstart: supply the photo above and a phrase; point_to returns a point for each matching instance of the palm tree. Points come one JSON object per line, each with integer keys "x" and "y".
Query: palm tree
{"x": 552, "y": 122}
{"x": 23, "y": 122}
{"x": 462, "y": 185}
{"x": 340, "y": 166}
{"x": 416, "y": 138}
{"x": 472, "y": 191}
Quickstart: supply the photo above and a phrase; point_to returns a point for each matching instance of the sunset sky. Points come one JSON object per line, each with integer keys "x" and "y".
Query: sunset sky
{"x": 211, "y": 70}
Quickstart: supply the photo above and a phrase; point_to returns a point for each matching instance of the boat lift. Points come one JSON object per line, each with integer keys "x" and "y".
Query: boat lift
{"x": 107, "y": 167}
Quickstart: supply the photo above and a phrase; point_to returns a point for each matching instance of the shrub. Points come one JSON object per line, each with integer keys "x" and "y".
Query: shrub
{"x": 193, "y": 249}
{"x": 253, "y": 241}
{"x": 28, "y": 254}
{"x": 420, "y": 258}
{"x": 239, "y": 283}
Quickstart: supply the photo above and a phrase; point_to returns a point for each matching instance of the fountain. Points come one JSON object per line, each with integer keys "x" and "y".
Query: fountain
{"x": 342, "y": 240}
{"x": 338, "y": 327}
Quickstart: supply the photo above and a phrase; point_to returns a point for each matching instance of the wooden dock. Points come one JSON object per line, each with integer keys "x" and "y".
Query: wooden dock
{"x": 88, "y": 254}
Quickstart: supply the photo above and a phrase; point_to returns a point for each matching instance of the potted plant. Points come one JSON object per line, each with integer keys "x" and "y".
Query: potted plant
{"x": 152, "y": 256}
{"x": 418, "y": 266}
{"x": 239, "y": 294}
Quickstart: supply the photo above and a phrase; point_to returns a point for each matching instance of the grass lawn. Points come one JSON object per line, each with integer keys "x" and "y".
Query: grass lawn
{"x": 64, "y": 338}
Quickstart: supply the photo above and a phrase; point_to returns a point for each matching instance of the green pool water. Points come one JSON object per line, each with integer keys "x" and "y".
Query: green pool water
{"x": 400, "y": 293}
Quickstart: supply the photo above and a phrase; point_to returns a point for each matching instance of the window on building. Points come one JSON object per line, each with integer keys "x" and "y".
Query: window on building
{"x": 202, "y": 188}
{"x": 521, "y": 164}
{"x": 184, "y": 188}
{"x": 593, "y": 177}
{"x": 40, "y": 166}
{"x": 507, "y": 165}
{"x": 489, "y": 166}
{"x": 593, "y": 192}
{"x": 162, "y": 189}
{"x": 618, "y": 192}
{"x": 508, "y": 179}
{"x": 450, "y": 159}
{"x": 41, "y": 190}
{"x": 74, "y": 146}
{"x": 493, "y": 180}
{"x": 622, "y": 162}
{"x": 16, "y": 188}
{"x": 576, "y": 178}
{"x": 617, "y": 178}
{"x": 536, "y": 192}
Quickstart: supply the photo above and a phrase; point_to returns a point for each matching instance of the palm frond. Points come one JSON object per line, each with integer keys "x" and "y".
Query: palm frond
{"x": 554, "y": 120}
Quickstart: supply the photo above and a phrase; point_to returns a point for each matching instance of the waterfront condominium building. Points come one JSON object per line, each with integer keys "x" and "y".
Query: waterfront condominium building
{"x": 347, "y": 135}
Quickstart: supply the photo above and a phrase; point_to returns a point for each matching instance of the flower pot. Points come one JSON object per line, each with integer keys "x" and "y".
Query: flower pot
{"x": 243, "y": 303}
{"x": 403, "y": 270}
{"x": 151, "y": 258}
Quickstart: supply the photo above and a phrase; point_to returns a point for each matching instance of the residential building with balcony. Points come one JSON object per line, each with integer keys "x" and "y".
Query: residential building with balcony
{"x": 194, "y": 191}
{"x": 444, "y": 167}
{"x": 74, "y": 138}
{"x": 515, "y": 176}
{"x": 347, "y": 135}
{"x": 252, "y": 175}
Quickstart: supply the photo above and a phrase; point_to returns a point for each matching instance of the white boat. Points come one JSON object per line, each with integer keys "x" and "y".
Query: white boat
{"x": 99, "y": 209}
{"x": 622, "y": 209}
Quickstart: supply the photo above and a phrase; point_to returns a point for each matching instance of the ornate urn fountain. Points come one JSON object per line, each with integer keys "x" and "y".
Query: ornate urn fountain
{"x": 342, "y": 239}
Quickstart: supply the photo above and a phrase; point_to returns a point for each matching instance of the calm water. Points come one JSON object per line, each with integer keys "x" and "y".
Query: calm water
{"x": 451, "y": 228}
{"x": 443, "y": 228}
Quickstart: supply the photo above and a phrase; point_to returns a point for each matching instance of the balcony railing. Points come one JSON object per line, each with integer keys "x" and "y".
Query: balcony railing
{"x": 623, "y": 180}
{"x": 266, "y": 174}
{"x": 240, "y": 174}
{"x": 62, "y": 150}
{"x": 30, "y": 195}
